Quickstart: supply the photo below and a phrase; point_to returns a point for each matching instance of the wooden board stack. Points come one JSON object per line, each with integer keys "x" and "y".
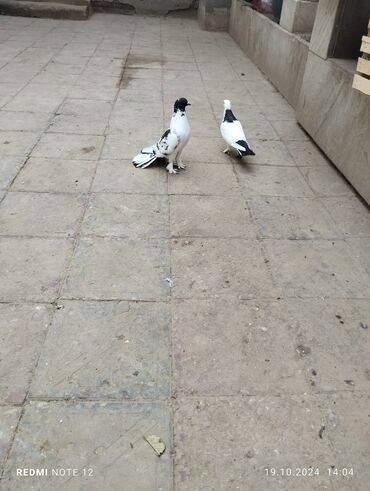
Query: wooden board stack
{"x": 361, "y": 80}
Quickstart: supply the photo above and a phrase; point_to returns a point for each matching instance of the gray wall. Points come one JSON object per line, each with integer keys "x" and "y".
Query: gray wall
{"x": 279, "y": 54}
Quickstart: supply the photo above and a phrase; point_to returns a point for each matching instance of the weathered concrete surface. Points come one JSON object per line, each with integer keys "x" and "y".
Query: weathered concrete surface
{"x": 279, "y": 54}
{"x": 53, "y": 9}
{"x": 340, "y": 115}
{"x": 224, "y": 309}
{"x": 298, "y": 15}
{"x": 214, "y": 15}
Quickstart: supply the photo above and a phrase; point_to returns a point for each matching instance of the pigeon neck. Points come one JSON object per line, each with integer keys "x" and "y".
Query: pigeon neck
{"x": 229, "y": 116}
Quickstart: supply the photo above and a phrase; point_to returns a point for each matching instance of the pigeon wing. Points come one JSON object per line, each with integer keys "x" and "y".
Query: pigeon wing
{"x": 167, "y": 144}
{"x": 233, "y": 133}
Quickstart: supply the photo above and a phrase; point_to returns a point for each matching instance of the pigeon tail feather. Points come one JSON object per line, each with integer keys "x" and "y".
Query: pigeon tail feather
{"x": 247, "y": 151}
{"x": 144, "y": 160}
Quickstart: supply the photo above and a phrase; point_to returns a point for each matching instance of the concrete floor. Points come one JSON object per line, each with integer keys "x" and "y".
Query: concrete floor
{"x": 224, "y": 309}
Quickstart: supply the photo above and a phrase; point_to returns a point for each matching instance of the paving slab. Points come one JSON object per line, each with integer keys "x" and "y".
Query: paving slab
{"x": 253, "y": 361}
{"x": 58, "y": 215}
{"x": 10, "y": 167}
{"x": 305, "y": 153}
{"x": 120, "y": 176}
{"x": 132, "y": 216}
{"x": 229, "y": 442}
{"x": 55, "y": 176}
{"x": 318, "y": 323}
{"x": 209, "y": 267}
{"x": 105, "y": 439}
{"x": 199, "y": 216}
{"x": 120, "y": 350}
{"x": 347, "y": 414}
{"x": 9, "y": 416}
{"x": 310, "y": 268}
{"x": 350, "y": 214}
{"x": 112, "y": 268}
{"x": 69, "y": 147}
{"x": 32, "y": 268}
{"x": 19, "y": 359}
{"x": 201, "y": 179}
{"x": 17, "y": 143}
{"x": 292, "y": 218}
{"x": 23, "y": 121}
{"x": 326, "y": 181}
{"x": 272, "y": 181}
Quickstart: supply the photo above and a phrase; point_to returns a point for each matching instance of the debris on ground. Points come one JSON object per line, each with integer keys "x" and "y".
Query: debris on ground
{"x": 322, "y": 429}
{"x": 303, "y": 350}
{"x": 364, "y": 326}
{"x": 156, "y": 443}
{"x": 349, "y": 382}
{"x": 169, "y": 281}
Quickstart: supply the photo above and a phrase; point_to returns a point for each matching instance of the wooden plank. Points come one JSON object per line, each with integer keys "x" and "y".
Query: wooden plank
{"x": 363, "y": 66}
{"x": 362, "y": 84}
{"x": 365, "y": 46}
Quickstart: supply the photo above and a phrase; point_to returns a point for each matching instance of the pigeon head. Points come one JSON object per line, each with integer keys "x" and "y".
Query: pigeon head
{"x": 227, "y": 104}
{"x": 180, "y": 104}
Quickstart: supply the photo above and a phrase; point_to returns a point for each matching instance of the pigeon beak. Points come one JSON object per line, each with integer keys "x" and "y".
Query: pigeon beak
{"x": 188, "y": 104}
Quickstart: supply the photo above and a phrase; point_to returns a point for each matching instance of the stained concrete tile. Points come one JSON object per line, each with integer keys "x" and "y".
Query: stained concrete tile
{"x": 18, "y": 359}
{"x": 82, "y": 117}
{"x": 268, "y": 432}
{"x": 38, "y": 98}
{"x": 199, "y": 216}
{"x": 57, "y": 215}
{"x": 316, "y": 268}
{"x": 104, "y": 437}
{"x": 117, "y": 352}
{"x": 17, "y": 143}
{"x": 118, "y": 124}
{"x": 272, "y": 181}
{"x": 32, "y": 268}
{"x": 316, "y": 324}
{"x": 120, "y": 176}
{"x": 231, "y": 348}
{"x": 9, "y": 168}
{"x": 306, "y": 153}
{"x": 55, "y": 176}
{"x": 119, "y": 269}
{"x": 204, "y": 179}
{"x": 208, "y": 267}
{"x": 289, "y": 130}
{"x": 23, "y": 121}
{"x": 127, "y": 215}
{"x": 9, "y": 417}
{"x": 346, "y": 415}
{"x": 117, "y": 148}
{"x": 292, "y": 218}
{"x": 361, "y": 251}
{"x": 205, "y": 150}
{"x": 350, "y": 215}
{"x": 269, "y": 152}
{"x": 326, "y": 181}
{"x": 69, "y": 147}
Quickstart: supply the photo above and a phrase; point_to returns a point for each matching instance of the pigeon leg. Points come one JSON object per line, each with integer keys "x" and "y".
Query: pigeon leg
{"x": 170, "y": 168}
{"x": 179, "y": 162}
{"x": 227, "y": 150}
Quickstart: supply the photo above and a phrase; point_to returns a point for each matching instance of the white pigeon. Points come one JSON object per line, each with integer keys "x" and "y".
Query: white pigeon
{"x": 172, "y": 142}
{"x": 233, "y": 134}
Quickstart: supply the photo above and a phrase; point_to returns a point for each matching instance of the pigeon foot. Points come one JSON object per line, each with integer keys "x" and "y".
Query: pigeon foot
{"x": 170, "y": 169}
{"x": 181, "y": 165}
{"x": 226, "y": 151}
